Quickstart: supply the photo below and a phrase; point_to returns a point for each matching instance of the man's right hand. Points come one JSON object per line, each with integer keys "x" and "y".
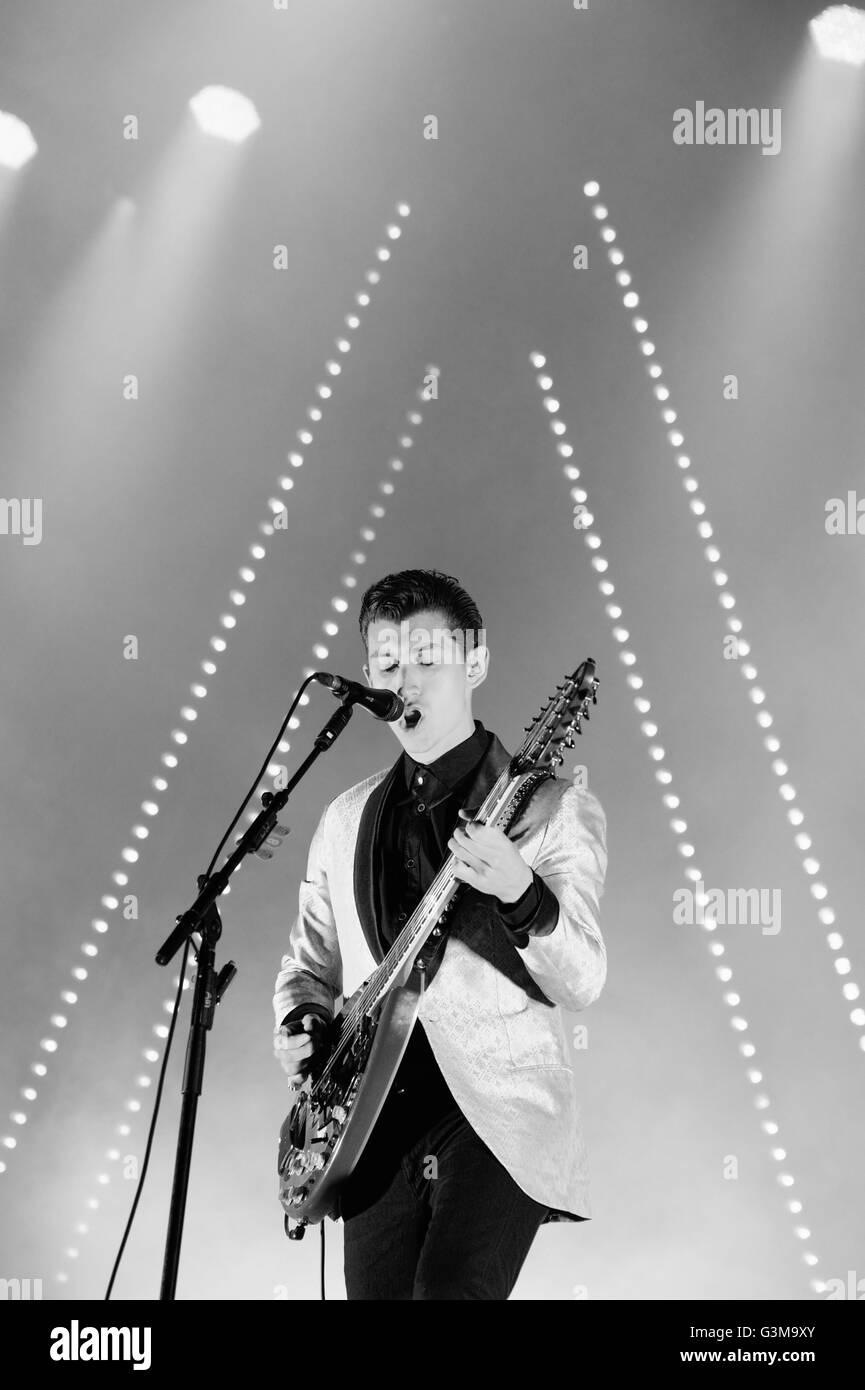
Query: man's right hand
{"x": 298, "y": 1046}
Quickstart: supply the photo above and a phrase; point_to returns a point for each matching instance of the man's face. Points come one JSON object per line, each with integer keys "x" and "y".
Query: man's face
{"x": 434, "y": 670}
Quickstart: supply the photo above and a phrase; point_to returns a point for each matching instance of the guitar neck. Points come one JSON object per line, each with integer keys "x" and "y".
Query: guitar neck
{"x": 436, "y": 900}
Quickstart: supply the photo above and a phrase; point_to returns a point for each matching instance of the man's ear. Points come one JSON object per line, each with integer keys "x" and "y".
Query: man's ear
{"x": 477, "y": 665}
{"x": 365, "y": 670}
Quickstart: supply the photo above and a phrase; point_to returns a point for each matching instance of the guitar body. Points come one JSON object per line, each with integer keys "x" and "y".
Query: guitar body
{"x": 327, "y": 1129}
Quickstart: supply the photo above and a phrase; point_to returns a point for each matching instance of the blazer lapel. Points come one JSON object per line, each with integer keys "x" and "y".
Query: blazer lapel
{"x": 496, "y": 760}
{"x": 366, "y": 894}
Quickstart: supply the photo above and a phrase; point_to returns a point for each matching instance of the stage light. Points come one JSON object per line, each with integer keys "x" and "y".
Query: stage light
{"x": 839, "y": 34}
{"x": 692, "y": 873}
{"x": 227, "y": 114}
{"x": 17, "y": 144}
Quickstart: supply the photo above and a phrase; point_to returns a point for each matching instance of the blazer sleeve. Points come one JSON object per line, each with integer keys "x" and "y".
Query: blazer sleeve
{"x": 311, "y": 970}
{"x": 569, "y": 962}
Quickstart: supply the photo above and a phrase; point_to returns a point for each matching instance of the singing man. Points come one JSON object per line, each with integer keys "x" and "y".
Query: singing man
{"x": 479, "y": 1142}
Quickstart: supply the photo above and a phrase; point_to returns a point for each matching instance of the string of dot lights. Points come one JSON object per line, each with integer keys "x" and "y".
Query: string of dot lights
{"x": 672, "y": 802}
{"x": 712, "y": 555}
{"x": 130, "y": 855}
{"x": 338, "y": 604}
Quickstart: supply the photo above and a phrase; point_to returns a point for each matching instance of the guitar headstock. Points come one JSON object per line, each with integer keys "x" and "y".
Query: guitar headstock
{"x": 558, "y": 721}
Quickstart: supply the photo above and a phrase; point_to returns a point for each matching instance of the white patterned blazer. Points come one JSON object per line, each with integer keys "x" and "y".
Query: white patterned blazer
{"x": 494, "y": 1013}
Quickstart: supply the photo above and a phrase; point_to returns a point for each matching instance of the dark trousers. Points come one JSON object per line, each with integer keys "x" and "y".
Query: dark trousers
{"x": 440, "y": 1219}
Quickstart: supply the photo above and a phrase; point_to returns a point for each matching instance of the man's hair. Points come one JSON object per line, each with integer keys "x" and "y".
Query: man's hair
{"x": 399, "y": 596}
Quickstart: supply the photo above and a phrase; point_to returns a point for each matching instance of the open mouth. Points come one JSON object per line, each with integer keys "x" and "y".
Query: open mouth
{"x": 411, "y": 718}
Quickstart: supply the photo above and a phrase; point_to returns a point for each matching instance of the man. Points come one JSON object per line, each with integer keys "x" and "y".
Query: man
{"x": 479, "y": 1141}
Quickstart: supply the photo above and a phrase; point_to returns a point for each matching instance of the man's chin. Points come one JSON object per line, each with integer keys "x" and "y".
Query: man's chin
{"x": 412, "y": 736}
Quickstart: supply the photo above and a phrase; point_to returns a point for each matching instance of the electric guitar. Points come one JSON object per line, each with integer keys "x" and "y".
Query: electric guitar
{"x": 328, "y": 1126}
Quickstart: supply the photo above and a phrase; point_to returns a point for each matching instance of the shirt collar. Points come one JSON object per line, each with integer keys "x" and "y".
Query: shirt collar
{"x": 444, "y": 773}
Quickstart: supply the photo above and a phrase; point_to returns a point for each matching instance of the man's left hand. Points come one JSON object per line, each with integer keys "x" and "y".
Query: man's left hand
{"x": 489, "y": 861}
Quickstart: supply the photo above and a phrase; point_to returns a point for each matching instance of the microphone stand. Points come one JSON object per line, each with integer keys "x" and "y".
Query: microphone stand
{"x": 203, "y": 917}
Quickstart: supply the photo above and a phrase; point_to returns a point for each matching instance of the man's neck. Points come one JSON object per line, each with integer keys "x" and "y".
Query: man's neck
{"x": 452, "y": 740}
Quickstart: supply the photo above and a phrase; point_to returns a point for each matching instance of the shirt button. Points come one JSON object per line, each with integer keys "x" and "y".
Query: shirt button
{"x": 409, "y": 863}
{"x": 421, "y": 806}
{"x": 401, "y": 916}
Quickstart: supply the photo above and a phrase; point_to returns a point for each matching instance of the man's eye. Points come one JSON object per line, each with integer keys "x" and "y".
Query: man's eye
{"x": 386, "y": 670}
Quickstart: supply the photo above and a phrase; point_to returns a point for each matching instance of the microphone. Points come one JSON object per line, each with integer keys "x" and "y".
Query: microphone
{"x": 384, "y": 704}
